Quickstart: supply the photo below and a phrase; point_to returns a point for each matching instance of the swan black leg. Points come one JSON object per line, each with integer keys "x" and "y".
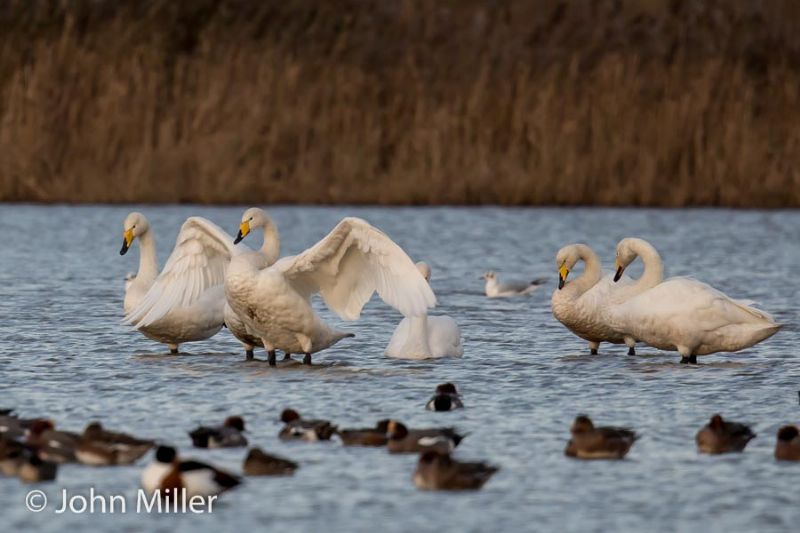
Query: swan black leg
{"x": 250, "y": 354}
{"x": 173, "y": 351}
{"x": 593, "y": 351}
{"x": 271, "y": 357}
{"x": 307, "y": 359}
{"x": 691, "y": 360}
{"x": 287, "y": 356}
{"x": 631, "y": 351}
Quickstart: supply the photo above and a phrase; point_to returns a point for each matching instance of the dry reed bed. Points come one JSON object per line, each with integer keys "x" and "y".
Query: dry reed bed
{"x": 639, "y": 102}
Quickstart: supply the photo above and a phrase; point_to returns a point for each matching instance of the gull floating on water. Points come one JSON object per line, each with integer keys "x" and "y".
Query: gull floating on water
{"x": 496, "y": 289}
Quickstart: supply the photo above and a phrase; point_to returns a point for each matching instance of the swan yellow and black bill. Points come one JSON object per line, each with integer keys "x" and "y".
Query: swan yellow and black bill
{"x": 563, "y": 272}
{"x": 127, "y": 240}
{"x": 244, "y": 229}
{"x": 618, "y": 274}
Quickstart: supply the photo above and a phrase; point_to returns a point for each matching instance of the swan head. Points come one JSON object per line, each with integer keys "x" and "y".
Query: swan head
{"x": 425, "y": 270}
{"x": 251, "y": 219}
{"x": 627, "y": 254}
{"x": 566, "y": 259}
{"x": 135, "y": 225}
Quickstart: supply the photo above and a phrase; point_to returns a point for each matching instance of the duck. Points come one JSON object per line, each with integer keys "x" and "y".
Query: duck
{"x": 404, "y": 440}
{"x": 185, "y": 302}
{"x": 494, "y": 288}
{"x": 13, "y": 427}
{"x": 590, "y": 442}
{"x": 34, "y": 469}
{"x": 168, "y": 474}
{"x": 374, "y": 436}
{"x": 438, "y": 471}
{"x": 581, "y": 304}
{"x": 787, "y": 446}
{"x": 685, "y": 315}
{"x": 52, "y": 445}
{"x": 100, "y": 447}
{"x": 228, "y": 435}
{"x": 720, "y": 436}
{"x": 259, "y": 463}
{"x": 12, "y": 456}
{"x": 297, "y": 428}
{"x": 346, "y": 267}
{"x": 446, "y": 398}
{"x": 424, "y": 336}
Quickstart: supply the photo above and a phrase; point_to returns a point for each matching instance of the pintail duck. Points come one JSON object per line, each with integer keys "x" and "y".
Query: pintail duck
{"x": 404, "y": 440}
{"x": 51, "y": 445}
{"x": 375, "y": 436}
{"x": 297, "y": 428}
{"x": 438, "y": 471}
{"x": 259, "y": 463}
{"x": 787, "y": 448}
{"x": 721, "y": 436}
{"x": 34, "y": 469}
{"x": 590, "y": 442}
{"x": 446, "y": 398}
{"x": 100, "y": 447}
{"x": 228, "y": 435}
{"x": 170, "y": 475}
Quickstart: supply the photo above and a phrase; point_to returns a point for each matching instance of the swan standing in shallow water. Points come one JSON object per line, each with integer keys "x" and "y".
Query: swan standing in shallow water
{"x": 581, "y": 304}
{"x": 690, "y": 317}
{"x": 346, "y": 267}
{"x": 186, "y": 301}
{"x": 425, "y": 337}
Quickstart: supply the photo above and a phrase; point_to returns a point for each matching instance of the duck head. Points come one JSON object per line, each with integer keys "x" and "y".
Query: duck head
{"x": 235, "y": 422}
{"x": 582, "y": 424}
{"x": 289, "y": 415}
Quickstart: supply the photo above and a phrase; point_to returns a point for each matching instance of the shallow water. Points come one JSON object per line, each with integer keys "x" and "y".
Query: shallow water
{"x": 523, "y": 377}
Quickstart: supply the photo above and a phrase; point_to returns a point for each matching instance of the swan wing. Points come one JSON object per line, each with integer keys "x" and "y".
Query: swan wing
{"x": 198, "y": 262}
{"x": 690, "y": 299}
{"x": 351, "y": 263}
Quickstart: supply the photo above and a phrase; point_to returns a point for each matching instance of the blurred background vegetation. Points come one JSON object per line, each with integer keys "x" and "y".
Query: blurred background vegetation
{"x": 593, "y": 102}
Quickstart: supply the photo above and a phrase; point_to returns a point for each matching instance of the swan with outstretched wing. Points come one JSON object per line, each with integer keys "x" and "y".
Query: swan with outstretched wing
{"x": 185, "y": 302}
{"x": 346, "y": 268}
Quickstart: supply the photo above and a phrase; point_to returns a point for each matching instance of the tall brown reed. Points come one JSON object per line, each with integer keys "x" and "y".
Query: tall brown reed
{"x": 605, "y": 102}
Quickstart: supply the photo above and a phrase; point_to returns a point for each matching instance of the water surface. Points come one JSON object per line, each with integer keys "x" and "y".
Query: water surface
{"x": 524, "y": 377}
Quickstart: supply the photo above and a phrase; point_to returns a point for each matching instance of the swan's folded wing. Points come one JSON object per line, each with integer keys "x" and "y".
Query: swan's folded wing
{"x": 198, "y": 262}
{"x": 351, "y": 263}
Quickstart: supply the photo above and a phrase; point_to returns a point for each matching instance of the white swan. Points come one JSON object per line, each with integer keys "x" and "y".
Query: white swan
{"x": 581, "y": 304}
{"x": 346, "y": 267}
{"x": 494, "y": 288}
{"x": 425, "y": 337}
{"x": 690, "y": 317}
{"x": 186, "y": 301}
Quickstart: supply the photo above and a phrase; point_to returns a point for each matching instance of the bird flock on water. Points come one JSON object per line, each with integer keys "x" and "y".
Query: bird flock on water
{"x": 213, "y": 280}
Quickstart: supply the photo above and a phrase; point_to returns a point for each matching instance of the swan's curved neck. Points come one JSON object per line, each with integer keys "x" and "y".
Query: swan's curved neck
{"x": 653, "y": 267}
{"x": 271, "y": 248}
{"x": 148, "y": 263}
{"x": 591, "y": 273}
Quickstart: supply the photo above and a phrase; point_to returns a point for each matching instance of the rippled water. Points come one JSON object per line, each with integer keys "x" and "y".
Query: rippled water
{"x": 64, "y": 354}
